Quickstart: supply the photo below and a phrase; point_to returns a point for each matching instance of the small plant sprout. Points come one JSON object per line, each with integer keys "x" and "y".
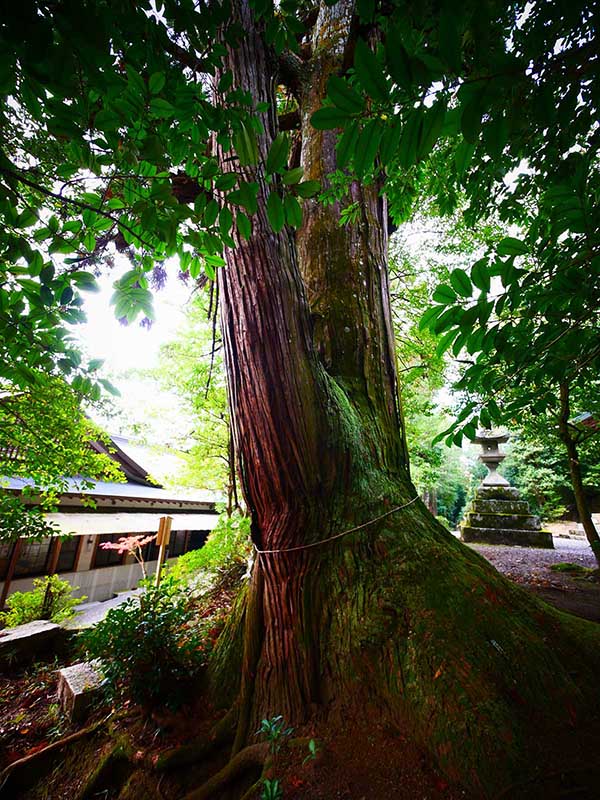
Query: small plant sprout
{"x": 271, "y": 790}
{"x": 313, "y": 750}
{"x": 274, "y": 730}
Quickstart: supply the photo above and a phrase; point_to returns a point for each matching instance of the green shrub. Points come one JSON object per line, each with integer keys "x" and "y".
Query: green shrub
{"x": 227, "y": 545}
{"x": 149, "y": 648}
{"x": 444, "y": 521}
{"x": 51, "y": 598}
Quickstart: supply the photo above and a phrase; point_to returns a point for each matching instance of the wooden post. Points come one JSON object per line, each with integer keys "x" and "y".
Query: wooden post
{"x": 10, "y": 571}
{"x": 162, "y": 540}
{"x": 54, "y": 554}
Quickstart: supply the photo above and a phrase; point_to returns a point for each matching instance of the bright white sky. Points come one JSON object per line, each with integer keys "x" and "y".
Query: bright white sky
{"x": 130, "y": 347}
{"x": 145, "y": 411}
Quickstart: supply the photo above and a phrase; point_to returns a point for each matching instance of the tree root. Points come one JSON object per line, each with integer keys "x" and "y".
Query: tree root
{"x": 253, "y": 756}
{"x": 200, "y": 748}
{"x": 10, "y": 772}
{"x": 251, "y": 793}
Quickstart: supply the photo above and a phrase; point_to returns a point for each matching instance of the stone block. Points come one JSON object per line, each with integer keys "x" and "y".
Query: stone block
{"x": 526, "y": 522}
{"x": 497, "y": 493}
{"x": 79, "y": 686}
{"x": 26, "y": 642}
{"x": 501, "y": 506}
{"x": 522, "y": 538}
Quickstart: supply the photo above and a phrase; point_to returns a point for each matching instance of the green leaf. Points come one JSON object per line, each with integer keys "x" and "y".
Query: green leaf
{"x": 480, "y": 275}
{"x": 66, "y": 296}
{"x": 209, "y": 271}
{"x": 292, "y": 176}
{"x": 246, "y": 145}
{"x": 248, "y": 192}
{"x": 225, "y": 220}
{"x": 308, "y": 189}
{"x": 275, "y": 211}
{"x": 462, "y": 158}
{"x": 225, "y": 82}
{"x": 448, "y": 319}
{"x": 461, "y": 282}
{"x": 156, "y": 82}
{"x": 26, "y": 219}
{"x": 226, "y": 182}
{"x": 343, "y": 96}
{"x": 370, "y": 73}
{"x": 161, "y": 108}
{"x": 433, "y": 122}
{"x": 445, "y": 342}
{"x": 470, "y": 429}
{"x": 457, "y": 438}
{"x": 278, "y": 154}
{"x": 211, "y": 213}
{"x": 409, "y": 140}
{"x": 509, "y": 246}
{"x": 449, "y": 38}
{"x": 429, "y": 317}
{"x": 397, "y": 58}
{"x": 346, "y": 145}
{"x": 293, "y": 211}
{"x": 107, "y": 121}
{"x": 47, "y": 274}
{"x": 89, "y": 241}
{"x": 244, "y": 225}
{"x": 365, "y": 9}
{"x": 328, "y": 118}
{"x": 495, "y": 135}
{"x": 366, "y": 147}
{"x": 46, "y": 296}
{"x": 484, "y": 418}
{"x": 85, "y": 281}
{"x": 390, "y": 142}
{"x": 470, "y": 120}
{"x": 444, "y": 294}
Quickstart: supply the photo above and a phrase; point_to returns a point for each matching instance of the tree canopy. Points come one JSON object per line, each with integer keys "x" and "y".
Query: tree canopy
{"x": 106, "y": 139}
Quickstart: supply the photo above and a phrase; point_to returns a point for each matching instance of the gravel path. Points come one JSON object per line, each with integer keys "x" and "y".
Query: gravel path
{"x": 530, "y": 567}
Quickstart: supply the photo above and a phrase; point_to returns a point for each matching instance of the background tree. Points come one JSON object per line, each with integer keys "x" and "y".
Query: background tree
{"x": 192, "y": 365}
{"x": 357, "y": 596}
{"x": 44, "y": 439}
{"x": 436, "y": 471}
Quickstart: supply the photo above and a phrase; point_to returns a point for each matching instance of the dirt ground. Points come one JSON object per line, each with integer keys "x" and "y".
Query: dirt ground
{"x": 530, "y": 568}
{"x": 360, "y": 760}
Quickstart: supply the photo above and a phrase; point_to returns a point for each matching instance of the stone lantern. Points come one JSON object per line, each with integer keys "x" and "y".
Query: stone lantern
{"x": 497, "y": 514}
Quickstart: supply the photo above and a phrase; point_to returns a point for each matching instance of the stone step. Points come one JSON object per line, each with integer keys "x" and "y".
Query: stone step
{"x": 501, "y": 506}
{"x": 496, "y": 493}
{"x": 526, "y": 522}
{"x": 522, "y": 538}
{"x": 25, "y": 642}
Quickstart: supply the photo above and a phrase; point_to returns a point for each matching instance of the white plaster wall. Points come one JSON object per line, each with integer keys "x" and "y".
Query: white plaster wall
{"x": 95, "y": 584}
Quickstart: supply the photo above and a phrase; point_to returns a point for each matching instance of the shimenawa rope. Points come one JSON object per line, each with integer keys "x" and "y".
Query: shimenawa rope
{"x": 337, "y": 535}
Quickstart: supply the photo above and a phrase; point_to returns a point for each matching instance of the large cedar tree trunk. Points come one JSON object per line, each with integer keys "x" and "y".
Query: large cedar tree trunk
{"x": 397, "y": 614}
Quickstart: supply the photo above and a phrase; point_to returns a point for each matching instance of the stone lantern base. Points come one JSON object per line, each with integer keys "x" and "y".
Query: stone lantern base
{"x": 499, "y": 516}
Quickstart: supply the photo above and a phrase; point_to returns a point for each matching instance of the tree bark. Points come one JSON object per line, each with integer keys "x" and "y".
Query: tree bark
{"x": 583, "y": 510}
{"x": 396, "y": 613}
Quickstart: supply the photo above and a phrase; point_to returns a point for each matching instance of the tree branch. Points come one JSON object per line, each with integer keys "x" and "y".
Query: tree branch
{"x": 289, "y": 121}
{"x": 69, "y": 201}
{"x": 291, "y": 72}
